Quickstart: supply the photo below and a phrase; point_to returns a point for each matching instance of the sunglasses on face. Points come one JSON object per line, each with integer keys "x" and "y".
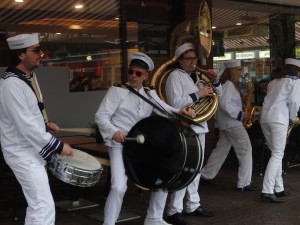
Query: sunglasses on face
{"x": 37, "y": 50}
{"x": 137, "y": 73}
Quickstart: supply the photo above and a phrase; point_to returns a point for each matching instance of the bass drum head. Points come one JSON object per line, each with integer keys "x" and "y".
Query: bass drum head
{"x": 160, "y": 160}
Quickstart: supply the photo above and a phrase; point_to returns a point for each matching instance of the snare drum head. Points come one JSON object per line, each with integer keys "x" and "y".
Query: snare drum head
{"x": 81, "y": 160}
{"x": 161, "y": 157}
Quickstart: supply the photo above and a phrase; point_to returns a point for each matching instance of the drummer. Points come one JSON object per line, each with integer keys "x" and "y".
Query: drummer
{"x": 25, "y": 140}
{"x": 119, "y": 111}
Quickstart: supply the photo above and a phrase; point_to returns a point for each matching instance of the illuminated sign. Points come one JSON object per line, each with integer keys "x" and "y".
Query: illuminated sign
{"x": 227, "y": 56}
{"x": 245, "y": 55}
{"x": 297, "y": 52}
{"x": 264, "y": 54}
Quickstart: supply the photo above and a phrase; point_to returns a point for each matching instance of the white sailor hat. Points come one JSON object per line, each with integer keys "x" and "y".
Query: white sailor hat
{"x": 141, "y": 59}
{"x": 182, "y": 48}
{"x": 292, "y": 61}
{"x": 233, "y": 64}
{"x": 22, "y": 41}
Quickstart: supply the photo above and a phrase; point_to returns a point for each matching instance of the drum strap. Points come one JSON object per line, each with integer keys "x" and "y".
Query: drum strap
{"x": 159, "y": 108}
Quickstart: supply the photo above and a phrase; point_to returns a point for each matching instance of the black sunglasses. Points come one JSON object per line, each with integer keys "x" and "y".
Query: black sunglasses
{"x": 37, "y": 50}
{"x": 137, "y": 73}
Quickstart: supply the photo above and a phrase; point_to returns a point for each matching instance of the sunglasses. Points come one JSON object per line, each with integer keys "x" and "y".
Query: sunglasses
{"x": 37, "y": 50}
{"x": 137, "y": 73}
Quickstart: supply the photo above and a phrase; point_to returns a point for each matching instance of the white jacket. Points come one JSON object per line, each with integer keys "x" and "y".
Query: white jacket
{"x": 282, "y": 101}
{"x": 230, "y": 111}
{"x": 121, "y": 109}
{"x": 181, "y": 90}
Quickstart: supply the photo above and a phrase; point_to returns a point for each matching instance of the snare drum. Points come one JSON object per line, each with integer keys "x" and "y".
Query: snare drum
{"x": 81, "y": 169}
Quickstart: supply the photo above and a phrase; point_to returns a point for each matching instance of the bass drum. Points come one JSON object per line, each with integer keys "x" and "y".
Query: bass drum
{"x": 169, "y": 159}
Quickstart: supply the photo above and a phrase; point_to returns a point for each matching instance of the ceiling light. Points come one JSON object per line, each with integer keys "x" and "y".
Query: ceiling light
{"x": 78, "y": 6}
{"x": 75, "y": 27}
{"x": 238, "y": 24}
{"x": 19, "y": 1}
{"x": 213, "y": 27}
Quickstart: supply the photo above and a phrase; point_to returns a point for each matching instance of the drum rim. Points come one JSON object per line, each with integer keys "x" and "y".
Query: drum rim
{"x": 59, "y": 157}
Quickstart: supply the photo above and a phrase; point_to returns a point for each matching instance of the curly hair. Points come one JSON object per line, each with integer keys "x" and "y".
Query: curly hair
{"x": 14, "y": 56}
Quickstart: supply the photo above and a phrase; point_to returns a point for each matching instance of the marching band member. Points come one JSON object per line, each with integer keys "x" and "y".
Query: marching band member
{"x": 230, "y": 118}
{"x": 182, "y": 90}
{"x": 279, "y": 109}
{"x": 25, "y": 142}
{"x": 118, "y": 112}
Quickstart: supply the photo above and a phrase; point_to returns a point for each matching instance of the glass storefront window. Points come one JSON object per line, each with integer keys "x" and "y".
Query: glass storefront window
{"x": 86, "y": 40}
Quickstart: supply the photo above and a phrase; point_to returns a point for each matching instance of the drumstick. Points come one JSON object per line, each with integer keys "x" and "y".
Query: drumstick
{"x": 139, "y": 139}
{"x": 78, "y": 130}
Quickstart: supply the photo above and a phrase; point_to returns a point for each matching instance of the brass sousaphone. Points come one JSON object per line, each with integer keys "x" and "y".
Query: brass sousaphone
{"x": 199, "y": 33}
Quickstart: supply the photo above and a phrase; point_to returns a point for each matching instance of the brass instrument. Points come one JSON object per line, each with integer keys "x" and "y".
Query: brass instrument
{"x": 191, "y": 31}
{"x": 295, "y": 124}
{"x": 249, "y": 108}
{"x": 206, "y": 107}
{"x": 198, "y": 30}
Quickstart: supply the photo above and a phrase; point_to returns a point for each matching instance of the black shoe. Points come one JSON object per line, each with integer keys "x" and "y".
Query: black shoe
{"x": 270, "y": 198}
{"x": 282, "y": 194}
{"x": 207, "y": 181}
{"x": 248, "y": 188}
{"x": 175, "y": 219}
{"x": 201, "y": 212}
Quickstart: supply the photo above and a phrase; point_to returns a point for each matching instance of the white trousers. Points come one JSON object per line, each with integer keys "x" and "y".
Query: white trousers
{"x": 156, "y": 205}
{"x": 158, "y": 199}
{"x": 275, "y": 135}
{"x": 33, "y": 178}
{"x": 114, "y": 200}
{"x": 191, "y": 191}
{"x": 239, "y": 139}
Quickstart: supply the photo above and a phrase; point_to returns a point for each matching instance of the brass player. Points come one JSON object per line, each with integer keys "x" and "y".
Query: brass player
{"x": 230, "y": 118}
{"x": 181, "y": 90}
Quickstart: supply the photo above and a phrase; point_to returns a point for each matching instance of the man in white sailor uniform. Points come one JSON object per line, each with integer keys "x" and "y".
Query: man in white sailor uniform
{"x": 230, "y": 118}
{"x": 181, "y": 90}
{"x": 25, "y": 140}
{"x": 279, "y": 110}
{"x": 118, "y": 112}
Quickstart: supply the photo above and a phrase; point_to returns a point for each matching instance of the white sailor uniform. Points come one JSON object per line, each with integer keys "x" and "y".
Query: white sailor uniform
{"x": 26, "y": 145}
{"x": 182, "y": 90}
{"x": 120, "y": 110}
{"x": 280, "y": 107}
{"x": 229, "y": 117}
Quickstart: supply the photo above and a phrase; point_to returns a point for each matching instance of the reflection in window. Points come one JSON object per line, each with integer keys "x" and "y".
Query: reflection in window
{"x": 82, "y": 39}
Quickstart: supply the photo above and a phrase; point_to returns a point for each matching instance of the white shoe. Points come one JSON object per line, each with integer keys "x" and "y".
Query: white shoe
{"x": 161, "y": 222}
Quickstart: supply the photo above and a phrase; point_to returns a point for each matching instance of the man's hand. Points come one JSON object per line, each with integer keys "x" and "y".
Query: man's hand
{"x": 206, "y": 91}
{"x": 118, "y": 137}
{"x": 188, "y": 111}
{"x": 52, "y": 127}
{"x": 67, "y": 150}
{"x": 212, "y": 74}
